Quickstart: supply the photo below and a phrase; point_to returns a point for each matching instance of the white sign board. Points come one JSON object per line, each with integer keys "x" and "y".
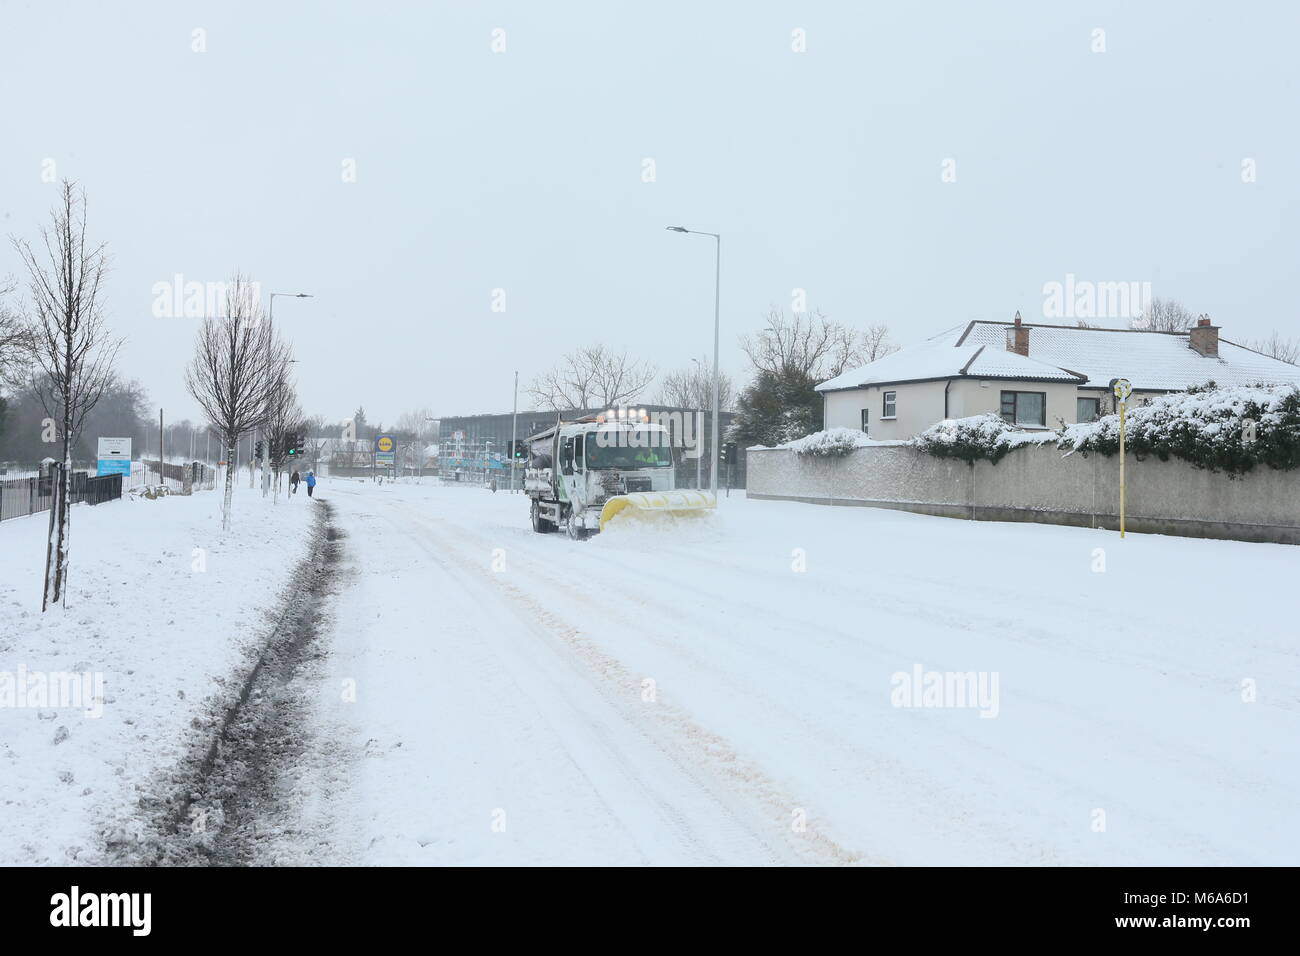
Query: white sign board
{"x": 114, "y": 456}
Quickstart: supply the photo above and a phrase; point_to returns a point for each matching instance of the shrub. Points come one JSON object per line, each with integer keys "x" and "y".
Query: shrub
{"x": 1209, "y": 427}
{"x": 832, "y": 443}
{"x": 978, "y": 438}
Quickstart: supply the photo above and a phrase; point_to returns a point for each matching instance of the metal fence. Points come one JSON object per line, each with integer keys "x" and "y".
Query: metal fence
{"x": 20, "y": 497}
{"x": 174, "y": 476}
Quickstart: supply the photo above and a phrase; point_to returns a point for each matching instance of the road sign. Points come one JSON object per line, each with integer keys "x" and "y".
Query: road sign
{"x": 114, "y": 456}
{"x": 1122, "y": 388}
{"x": 385, "y": 444}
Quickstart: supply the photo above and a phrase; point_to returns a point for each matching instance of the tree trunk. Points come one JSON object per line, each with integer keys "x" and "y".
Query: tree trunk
{"x": 65, "y": 523}
{"x": 230, "y": 486}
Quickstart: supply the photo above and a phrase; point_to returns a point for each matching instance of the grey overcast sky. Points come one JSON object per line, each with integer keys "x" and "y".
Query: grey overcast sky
{"x": 523, "y": 170}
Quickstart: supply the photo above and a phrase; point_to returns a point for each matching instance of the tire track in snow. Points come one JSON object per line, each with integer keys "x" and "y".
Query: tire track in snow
{"x": 705, "y": 750}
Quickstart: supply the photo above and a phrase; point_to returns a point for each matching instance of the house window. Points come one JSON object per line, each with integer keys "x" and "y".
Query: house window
{"x": 1087, "y": 409}
{"x": 1025, "y": 408}
{"x": 865, "y": 414}
{"x": 891, "y": 405}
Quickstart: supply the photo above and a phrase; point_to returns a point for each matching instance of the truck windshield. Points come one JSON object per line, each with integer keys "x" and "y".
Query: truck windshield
{"x": 629, "y": 452}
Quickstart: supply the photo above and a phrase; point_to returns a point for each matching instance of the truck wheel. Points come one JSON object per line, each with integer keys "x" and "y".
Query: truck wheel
{"x": 540, "y": 524}
{"x": 576, "y": 529}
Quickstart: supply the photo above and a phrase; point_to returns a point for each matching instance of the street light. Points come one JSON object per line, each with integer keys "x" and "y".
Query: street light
{"x": 717, "y": 298}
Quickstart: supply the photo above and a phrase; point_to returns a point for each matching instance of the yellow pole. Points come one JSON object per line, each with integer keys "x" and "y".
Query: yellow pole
{"x": 1121, "y": 468}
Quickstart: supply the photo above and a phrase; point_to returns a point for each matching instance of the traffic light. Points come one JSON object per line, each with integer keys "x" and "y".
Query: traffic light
{"x": 518, "y": 449}
{"x": 729, "y": 452}
{"x": 257, "y": 452}
{"x": 291, "y": 444}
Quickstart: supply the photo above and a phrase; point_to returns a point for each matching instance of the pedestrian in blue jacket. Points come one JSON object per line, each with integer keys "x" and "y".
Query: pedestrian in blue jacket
{"x": 311, "y": 481}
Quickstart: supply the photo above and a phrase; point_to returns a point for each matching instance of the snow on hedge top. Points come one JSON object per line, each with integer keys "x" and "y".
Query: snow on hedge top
{"x": 1208, "y": 416}
{"x": 833, "y": 442}
{"x": 1155, "y": 360}
{"x": 934, "y": 360}
{"x": 987, "y": 427}
{"x": 977, "y": 437}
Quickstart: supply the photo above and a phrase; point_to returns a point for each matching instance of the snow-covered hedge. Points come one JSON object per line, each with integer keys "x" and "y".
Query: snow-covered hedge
{"x": 832, "y": 443}
{"x": 1222, "y": 429}
{"x": 978, "y": 438}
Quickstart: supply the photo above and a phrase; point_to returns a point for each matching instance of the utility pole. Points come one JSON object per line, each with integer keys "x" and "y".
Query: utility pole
{"x": 514, "y": 433}
{"x": 162, "y": 475}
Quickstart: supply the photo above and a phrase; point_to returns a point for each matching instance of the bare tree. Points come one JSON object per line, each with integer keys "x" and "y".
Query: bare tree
{"x": 591, "y": 377}
{"x": 692, "y": 387}
{"x": 283, "y": 412}
{"x": 1284, "y": 350}
{"x": 15, "y": 342}
{"x": 314, "y": 440}
{"x": 807, "y": 345}
{"x": 1164, "y": 315}
{"x": 875, "y": 343}
{"x": 69, "y": 343}
{"x": 232, "y": 373}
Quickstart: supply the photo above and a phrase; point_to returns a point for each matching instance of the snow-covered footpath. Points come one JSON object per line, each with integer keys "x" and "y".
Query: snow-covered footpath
{"x": 162, "y": 614}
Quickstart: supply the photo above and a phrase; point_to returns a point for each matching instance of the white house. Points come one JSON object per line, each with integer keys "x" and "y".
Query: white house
{"x": 1034, "y": 376}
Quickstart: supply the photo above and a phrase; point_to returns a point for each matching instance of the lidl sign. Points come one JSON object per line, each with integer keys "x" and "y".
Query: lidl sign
{"x": 385, "y": 444}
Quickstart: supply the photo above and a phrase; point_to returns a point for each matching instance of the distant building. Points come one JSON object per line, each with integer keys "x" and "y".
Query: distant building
{"x": 466, "y": 441}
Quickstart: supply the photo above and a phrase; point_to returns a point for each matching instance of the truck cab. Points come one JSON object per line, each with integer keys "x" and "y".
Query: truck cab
{"x": 576, "y": 468}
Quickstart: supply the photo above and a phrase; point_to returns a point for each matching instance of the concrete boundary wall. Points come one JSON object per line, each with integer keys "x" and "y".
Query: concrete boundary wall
{"x": 1040, "y": 484}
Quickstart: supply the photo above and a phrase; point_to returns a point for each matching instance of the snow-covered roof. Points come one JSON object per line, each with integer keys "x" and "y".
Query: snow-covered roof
{"x": 1150, "y": 360}
{"x": 938, "y": 360}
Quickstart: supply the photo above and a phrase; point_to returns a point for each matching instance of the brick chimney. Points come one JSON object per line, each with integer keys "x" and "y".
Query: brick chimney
{"x": 1204, "y": 337}
{"x": 1018, "y": 338}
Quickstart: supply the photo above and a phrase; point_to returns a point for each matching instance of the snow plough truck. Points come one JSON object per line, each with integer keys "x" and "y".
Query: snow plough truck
{"x": 583, "y": 474}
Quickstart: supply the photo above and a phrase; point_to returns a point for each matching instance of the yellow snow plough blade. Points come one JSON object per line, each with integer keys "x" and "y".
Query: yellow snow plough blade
{"x": 646, "y": 503}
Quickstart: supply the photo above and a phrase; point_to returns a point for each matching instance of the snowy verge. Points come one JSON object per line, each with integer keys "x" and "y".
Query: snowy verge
{"x": 163, "y": 612}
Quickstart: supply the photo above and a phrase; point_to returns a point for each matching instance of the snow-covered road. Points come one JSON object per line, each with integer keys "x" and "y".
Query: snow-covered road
{"x": 726, "y": 691}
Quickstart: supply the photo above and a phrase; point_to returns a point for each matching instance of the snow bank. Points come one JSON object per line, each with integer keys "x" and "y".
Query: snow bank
{"x": 163, "y": 610}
